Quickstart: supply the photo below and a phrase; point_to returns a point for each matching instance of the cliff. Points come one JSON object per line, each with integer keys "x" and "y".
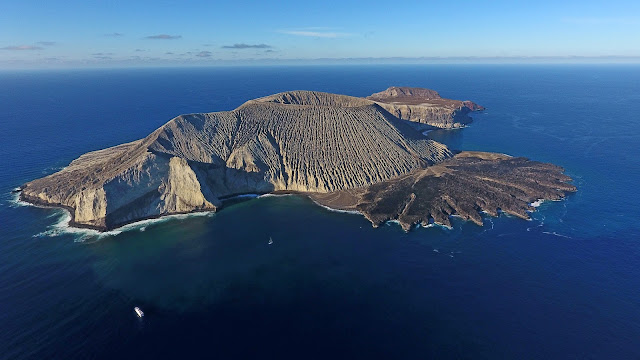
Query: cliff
{"x": 425, "y": 106}
{"x": 298, "y": 141}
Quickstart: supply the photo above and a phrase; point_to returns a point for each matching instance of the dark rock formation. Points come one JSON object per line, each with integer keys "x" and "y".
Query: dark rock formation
{"x": 464, "y": 185}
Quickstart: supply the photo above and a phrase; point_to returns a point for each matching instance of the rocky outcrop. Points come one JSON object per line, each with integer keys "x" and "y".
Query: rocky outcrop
{"x": 425, "y": 106}
{"x": 464, "y": 185}
{"x": 107, "y": 188}
{"x": 405, "y": 94}
{"x": 296, "y": 141}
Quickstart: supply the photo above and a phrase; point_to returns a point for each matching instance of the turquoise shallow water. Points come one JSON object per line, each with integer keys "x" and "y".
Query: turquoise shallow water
{"x": 564, "y": 285}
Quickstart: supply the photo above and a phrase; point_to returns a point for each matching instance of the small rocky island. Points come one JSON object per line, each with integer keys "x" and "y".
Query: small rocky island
{"x": 349, "y": 153}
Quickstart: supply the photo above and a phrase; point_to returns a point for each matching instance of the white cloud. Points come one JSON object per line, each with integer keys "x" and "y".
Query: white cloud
{"x": 21, "y": 47}
{"x": 164, "y": 37}
{"x": 318, "y": 34}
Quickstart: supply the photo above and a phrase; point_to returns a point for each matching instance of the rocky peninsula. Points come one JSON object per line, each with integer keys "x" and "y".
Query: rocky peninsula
{"x": 345, "y": 152}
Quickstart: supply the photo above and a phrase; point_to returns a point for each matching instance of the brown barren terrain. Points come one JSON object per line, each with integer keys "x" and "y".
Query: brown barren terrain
{"x": 465, "y": 185}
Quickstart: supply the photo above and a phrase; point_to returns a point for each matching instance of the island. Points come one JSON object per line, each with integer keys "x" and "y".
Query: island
{"x": 344, "y": 152}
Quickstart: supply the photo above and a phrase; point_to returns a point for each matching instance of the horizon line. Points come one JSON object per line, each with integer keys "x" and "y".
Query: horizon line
{"x": 395, "y": 60}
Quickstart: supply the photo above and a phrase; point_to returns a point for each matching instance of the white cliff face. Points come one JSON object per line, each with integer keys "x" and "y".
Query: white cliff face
{"x": 297, "y": 141}
{"x": 90, "y": 206}
{"x": 181, "y": 190}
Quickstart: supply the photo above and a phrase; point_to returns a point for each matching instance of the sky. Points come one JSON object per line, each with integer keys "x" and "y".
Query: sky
{"x": 86, "y": 33}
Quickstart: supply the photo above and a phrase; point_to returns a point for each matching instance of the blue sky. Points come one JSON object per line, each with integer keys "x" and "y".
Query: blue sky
{"x": 162, "y": 32}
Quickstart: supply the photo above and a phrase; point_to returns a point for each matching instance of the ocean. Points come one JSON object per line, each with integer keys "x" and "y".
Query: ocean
{"x": 564, "y": 285}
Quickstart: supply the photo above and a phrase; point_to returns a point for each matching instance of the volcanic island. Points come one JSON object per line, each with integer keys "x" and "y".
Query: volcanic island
{"x": 347, "y": 153}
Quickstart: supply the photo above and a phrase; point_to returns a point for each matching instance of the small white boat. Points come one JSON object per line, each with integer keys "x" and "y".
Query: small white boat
{"x": 138, "y": 311}
{"x": 270, "y": 240}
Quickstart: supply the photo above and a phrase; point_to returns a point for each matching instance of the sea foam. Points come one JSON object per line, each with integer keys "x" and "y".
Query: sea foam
{"x": 537, "y": 203}
{"x": 273, "y": 195}
{"x": 62, "y": 227}
{"x": 354, "y": 212}
{"x": 556, "y": 234}
{"x": 15, "y": 201}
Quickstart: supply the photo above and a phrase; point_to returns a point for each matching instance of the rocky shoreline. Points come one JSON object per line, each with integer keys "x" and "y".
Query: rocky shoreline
{"x": 358, "y": 201}
{"x": 466, "y": 185}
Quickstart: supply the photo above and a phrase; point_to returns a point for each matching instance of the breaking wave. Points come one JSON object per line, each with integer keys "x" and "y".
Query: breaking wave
{"x": 354, "y": 212}
{"x": 537, "y": 203}
{"x": 62, "y": 227}
{"x": 15, "y": 201}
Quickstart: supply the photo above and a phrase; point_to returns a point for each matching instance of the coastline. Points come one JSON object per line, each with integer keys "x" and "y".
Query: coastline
{"x": 100, "y": 229}
{"x": 25, "y": 200}
{"x": 340, "y": 202}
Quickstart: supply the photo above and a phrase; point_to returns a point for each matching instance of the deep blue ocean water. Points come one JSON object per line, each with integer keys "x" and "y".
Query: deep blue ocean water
{"x": 564, "y": 285}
